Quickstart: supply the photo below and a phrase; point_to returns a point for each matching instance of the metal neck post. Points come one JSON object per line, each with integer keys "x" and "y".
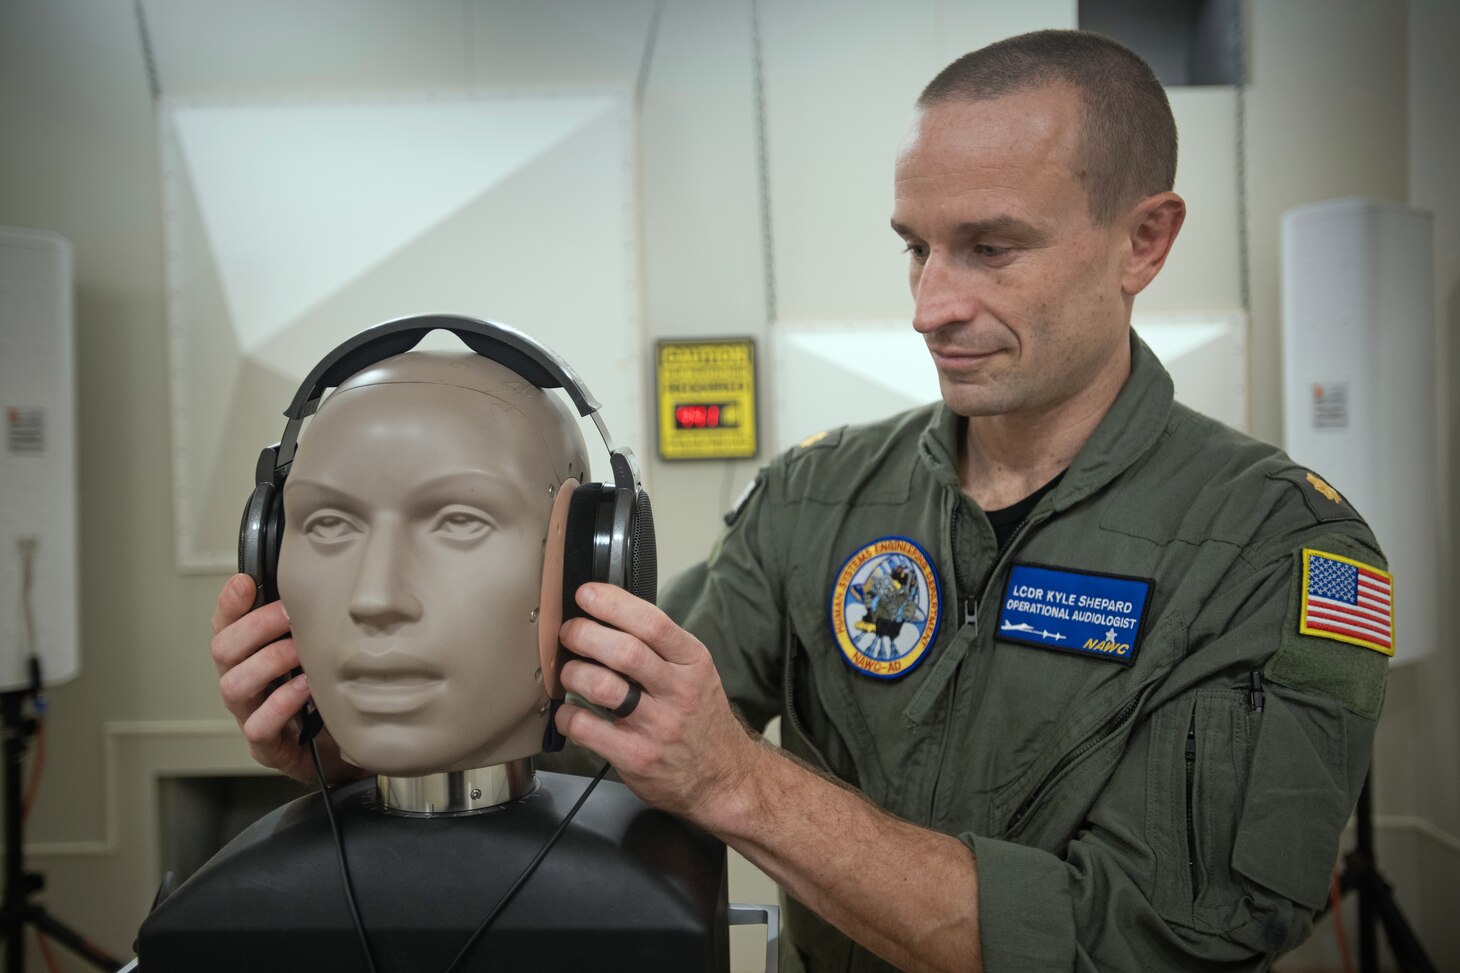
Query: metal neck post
{"x": 457, "y": 791}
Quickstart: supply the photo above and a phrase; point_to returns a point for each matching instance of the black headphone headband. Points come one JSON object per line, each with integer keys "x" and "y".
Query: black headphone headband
{"x": 489, "y": 339}
{"x": 500, "y": 343}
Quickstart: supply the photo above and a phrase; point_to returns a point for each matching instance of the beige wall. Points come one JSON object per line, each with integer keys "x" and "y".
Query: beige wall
{"x": 1346, "y": 97}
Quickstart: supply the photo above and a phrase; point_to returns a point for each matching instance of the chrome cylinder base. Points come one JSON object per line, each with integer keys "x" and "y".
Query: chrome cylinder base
{"x": 456, "y": 792}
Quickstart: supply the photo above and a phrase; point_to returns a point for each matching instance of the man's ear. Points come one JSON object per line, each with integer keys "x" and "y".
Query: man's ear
{"x": 1152, "y": 227}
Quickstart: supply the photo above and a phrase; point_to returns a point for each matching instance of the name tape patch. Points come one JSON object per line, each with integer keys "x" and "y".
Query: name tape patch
{"x": 1098, "y": 615}
{"x": 885, "y": 607}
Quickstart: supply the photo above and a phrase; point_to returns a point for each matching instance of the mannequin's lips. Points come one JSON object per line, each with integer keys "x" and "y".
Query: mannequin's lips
{"x": 385, "y": 694}
{"x": 390, "y": 683}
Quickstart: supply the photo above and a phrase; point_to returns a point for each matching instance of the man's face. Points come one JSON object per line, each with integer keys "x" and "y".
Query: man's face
{"x": 415, "y": 519}
{"x": 1018, "y": 294}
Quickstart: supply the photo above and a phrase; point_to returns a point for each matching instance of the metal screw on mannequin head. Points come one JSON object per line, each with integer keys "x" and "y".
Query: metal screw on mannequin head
{"x": 532, "y": 615}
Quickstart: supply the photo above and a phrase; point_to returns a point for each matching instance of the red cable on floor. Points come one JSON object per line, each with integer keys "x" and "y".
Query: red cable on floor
{"x": 46, "y": 953}
{"x": 37, "y": 766}
{"x": 32, "y": 785}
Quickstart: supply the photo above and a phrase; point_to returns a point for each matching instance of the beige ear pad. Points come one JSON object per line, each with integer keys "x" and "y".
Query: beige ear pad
{"x": 550, "y": 599}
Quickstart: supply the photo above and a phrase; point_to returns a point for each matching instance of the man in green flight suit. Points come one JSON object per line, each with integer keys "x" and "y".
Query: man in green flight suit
{"x": 1125, "y": 704}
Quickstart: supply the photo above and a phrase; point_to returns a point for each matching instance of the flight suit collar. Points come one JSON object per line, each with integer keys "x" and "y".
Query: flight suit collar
{"x": 1131, "y": 427}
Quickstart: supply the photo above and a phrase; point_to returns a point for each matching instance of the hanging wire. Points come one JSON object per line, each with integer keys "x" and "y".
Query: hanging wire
{"x": 1239, "y": 48}
{"x": 149, "y": 56}
{"x": 329, "y": 811}
{"x": 37, "y": 768}
{"x": 767, "y": 241}
{"x": 27, "y": 548}
{"x": 502, "y": 902}
{"x": 526, "y": 872}
{"x": 1244, "y": 259}
{"x": 651, "y": 39}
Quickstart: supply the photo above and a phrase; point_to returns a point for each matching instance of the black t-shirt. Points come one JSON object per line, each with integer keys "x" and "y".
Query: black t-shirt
{"x": 1008, "y": 520}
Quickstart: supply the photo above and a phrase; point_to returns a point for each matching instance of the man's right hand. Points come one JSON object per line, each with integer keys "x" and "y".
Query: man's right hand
{"x": 252, "y": 650}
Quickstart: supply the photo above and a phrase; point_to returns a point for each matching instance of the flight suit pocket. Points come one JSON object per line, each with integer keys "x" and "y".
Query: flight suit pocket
{"x": 1299, "y": 800}
{"x": 1200, "y": 756}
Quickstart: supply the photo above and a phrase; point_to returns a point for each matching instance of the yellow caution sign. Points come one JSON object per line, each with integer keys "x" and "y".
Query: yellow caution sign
{"x": 706, "y": 398}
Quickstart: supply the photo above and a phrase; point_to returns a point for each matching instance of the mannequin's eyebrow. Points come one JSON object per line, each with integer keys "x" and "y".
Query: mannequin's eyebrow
{"x": 318, "y": 493}
{"x": 477, "y": 485}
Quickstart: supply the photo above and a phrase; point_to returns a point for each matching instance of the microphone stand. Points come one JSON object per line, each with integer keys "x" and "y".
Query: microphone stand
{"x": 1376, "y": 900}
{"x": 18, "y": 911}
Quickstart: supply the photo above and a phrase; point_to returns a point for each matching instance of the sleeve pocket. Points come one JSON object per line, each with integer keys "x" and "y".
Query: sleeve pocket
{"x": 1297, "y": 799}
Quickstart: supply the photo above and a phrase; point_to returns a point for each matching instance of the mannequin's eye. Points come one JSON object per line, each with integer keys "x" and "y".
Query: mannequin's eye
{"x": 329, "y": 528}
{"x": 461, "y": 524}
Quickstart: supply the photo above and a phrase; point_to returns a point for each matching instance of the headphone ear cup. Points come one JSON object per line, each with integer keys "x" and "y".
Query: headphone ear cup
{"x": 643, "y": 554}
{"x": 588, "y": 547}
{"x": 258, "y": 541}
{"x": 584, "y": 556}
{"x": 579, "y": 555}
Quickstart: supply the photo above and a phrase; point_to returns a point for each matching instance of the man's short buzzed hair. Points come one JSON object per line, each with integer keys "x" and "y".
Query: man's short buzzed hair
{"x": 1129, "y": 135}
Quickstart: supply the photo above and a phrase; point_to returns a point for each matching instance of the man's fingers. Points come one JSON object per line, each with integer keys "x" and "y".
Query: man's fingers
{"x": 610, "y": 741}
{"x": 269, "y": 725}
{"x": 596, "y": 684}
{"x": 246, "y": 635}
{"x": 624, "y": 611}
{"x": 234, "y": 601}
{"x": 246, "y": 683}
{"x": 619, "y": 651}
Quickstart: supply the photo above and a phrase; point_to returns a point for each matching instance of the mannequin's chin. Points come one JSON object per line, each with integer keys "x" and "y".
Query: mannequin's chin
{"x": 396, "y": 752}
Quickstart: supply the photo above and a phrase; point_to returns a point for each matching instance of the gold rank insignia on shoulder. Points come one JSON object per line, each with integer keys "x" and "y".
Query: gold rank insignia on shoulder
{"x": 1321, "y": 485}
{"x": 1348, "y": 601}
{"x": 813, "y": 439}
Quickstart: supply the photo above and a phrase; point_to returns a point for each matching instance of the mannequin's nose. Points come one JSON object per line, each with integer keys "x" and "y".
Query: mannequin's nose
{"x": 382, "y": 598}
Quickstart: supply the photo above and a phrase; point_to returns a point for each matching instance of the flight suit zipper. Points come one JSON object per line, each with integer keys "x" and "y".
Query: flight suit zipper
{"x": 970, "y": 612}
{"x": 969, "y": 605}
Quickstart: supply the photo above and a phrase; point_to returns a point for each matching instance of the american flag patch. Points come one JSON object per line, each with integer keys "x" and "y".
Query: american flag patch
{"x": 1346, "y": 600}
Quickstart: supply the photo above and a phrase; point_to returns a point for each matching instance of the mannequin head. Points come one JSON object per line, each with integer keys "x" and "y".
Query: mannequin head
{"x": 416, "y": 515}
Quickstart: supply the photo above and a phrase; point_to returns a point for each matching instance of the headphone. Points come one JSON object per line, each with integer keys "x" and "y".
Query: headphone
{"x": 607, "y": 530}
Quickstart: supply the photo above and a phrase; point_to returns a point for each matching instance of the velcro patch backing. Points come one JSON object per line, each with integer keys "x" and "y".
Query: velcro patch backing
{"x": 1355, "y": 675}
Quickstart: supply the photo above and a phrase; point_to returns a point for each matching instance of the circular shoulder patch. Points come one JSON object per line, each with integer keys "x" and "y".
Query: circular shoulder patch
{"x": 885, "y": 607}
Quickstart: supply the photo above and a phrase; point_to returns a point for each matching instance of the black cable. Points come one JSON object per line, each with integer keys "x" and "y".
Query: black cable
{"x": 329, "y": 810}
{"x": 526, "y": 872}
{"x": 517, "y": 884}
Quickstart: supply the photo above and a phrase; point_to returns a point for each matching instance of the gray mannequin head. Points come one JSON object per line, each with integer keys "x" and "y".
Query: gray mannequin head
{"x": 417, "y": 515}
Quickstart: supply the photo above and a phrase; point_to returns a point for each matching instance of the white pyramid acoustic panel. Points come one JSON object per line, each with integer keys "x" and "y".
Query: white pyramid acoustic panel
{"x": 291, "y": 226}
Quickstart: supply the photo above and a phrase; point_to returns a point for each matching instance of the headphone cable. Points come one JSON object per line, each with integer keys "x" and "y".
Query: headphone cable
{"x": 502, "y": 902}
{"x": 527, "y": 871}
{"x": 329, "y": 811}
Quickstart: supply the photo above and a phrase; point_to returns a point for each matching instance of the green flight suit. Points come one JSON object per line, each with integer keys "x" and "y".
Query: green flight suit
{"x": 1140, "y": 817}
